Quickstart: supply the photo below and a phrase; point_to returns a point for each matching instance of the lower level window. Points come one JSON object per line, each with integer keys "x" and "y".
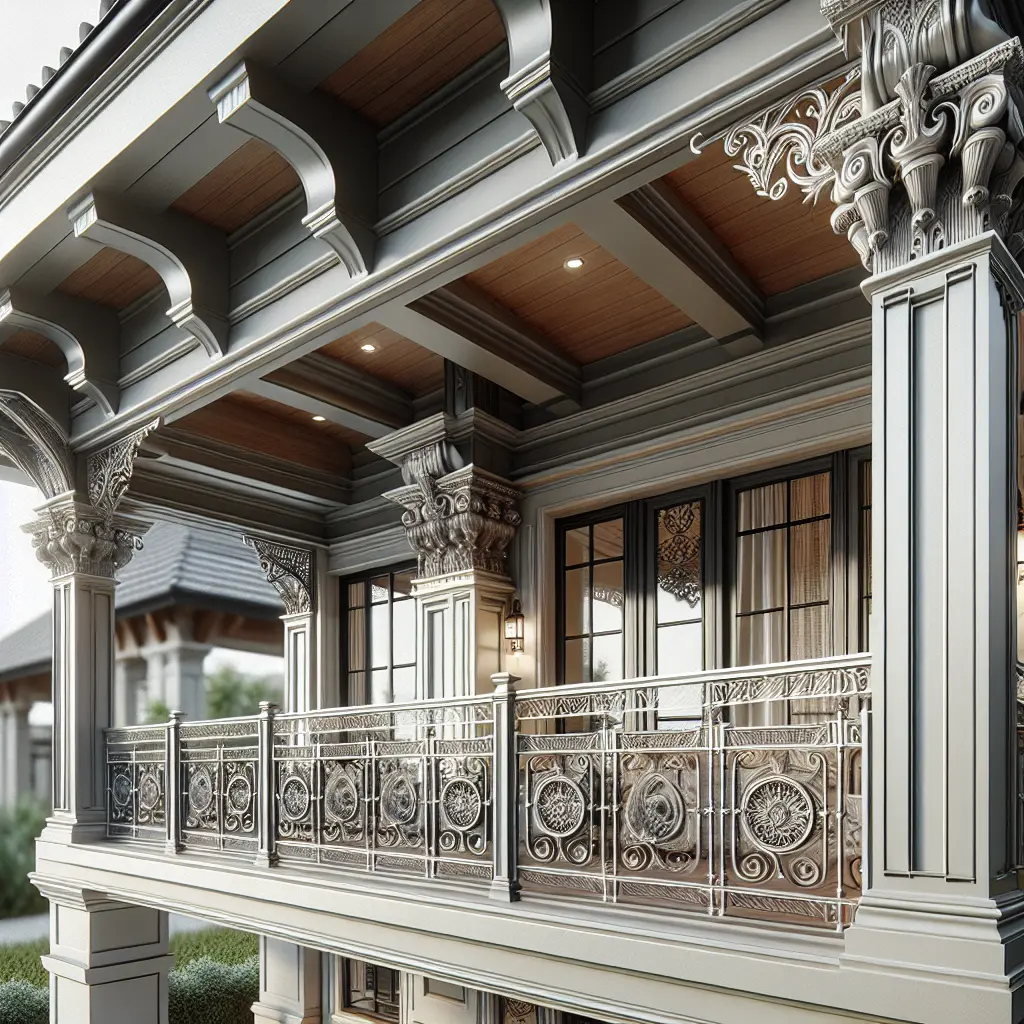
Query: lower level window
{"x": 370, "y": 990}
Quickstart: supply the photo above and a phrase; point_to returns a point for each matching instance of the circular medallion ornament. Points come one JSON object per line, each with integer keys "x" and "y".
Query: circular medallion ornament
{"x": 239, "y": 793}
{"x": 559, "y": 805}
{"x": 200, "y": 791}
{"x": 398, "y": 800}
{"x": 655, "y": 812}
{"x": 149, "y": 791}
{"x": 121, "y": 789}
{"x": 778, "y": 814}
{"x": 294, "y": 798}
{"x": 461, "y": 803}
{"x": 341, "y": 801}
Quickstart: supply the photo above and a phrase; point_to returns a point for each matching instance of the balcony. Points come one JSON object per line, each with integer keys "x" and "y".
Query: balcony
{"x": 732, "y": 793}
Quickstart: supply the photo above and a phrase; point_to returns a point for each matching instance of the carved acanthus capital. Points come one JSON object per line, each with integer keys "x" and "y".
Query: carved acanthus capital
{"x": 459, "y": 522}
{"x": 72, "y": 537}
{"x": 290, "y": 571}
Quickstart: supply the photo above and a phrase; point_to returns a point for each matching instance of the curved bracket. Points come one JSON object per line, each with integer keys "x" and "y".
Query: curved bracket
{"x": 333, "y": 151}
{"x": 190, "y": 258}
{"x": 35, "y": 442}
{"x": 550, "y": 55}
{"x": 86, "y": 334}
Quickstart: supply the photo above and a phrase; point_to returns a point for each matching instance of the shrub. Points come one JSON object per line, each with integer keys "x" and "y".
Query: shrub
{"x": 21, "y": 1002}
{"x": 21, "y": 962}
{"x": 219, "y": 944}
{"x": 19, "y": 828}
{"x": 206, "y": 992}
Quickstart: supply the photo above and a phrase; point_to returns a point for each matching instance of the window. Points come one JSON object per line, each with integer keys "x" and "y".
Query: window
{"x": 783, "y": 571}
{"x": 593, "y": 601}
{"x": 370, "y": 990}
{"x": 380, "y": 649}
{"x": 768, "y": 568}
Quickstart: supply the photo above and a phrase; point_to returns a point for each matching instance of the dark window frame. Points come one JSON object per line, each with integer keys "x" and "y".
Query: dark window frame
{"x": 381, "y": 1009}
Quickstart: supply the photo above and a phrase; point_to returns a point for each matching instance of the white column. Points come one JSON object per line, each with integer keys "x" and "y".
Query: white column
{"x": 82, "y": 546}
{"x": 130, "y": 675}
{"x": 16, "y": 780}
{"x": 108, "y": 962}
{"x": 184, "y": 685}
{"x": 290, "y": 975}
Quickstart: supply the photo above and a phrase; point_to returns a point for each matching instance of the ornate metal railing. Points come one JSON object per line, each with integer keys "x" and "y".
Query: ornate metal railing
{"x": 733, "y": 792}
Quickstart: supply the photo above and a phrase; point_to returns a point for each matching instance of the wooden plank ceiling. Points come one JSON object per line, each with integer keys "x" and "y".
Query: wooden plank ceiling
{"x": 240, "y": 188}
{"x": 257, "y": 424}
{"x": 598, "y": 310}
{"x": 780, "y": 244}
{"x": 425, "y": 49}
{"x": 394, "y": 358}
{"x": 111, "y": 278}
{"x": 30, "y": 345}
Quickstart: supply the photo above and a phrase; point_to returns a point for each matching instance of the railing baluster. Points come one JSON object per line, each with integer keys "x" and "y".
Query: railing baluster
{"x": 266, "y": 852}
{"x": 172, "y": 783}
{"x": 505, "y": 794}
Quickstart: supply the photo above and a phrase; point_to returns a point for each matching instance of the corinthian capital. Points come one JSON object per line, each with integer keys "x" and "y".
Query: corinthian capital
{"x": 71, "y": 537}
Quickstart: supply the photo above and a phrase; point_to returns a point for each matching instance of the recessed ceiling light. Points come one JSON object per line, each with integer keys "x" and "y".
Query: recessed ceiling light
{"x": 319, "y": 419}
{"x": 368, "y": 347}
{"x": 573, "y": 263}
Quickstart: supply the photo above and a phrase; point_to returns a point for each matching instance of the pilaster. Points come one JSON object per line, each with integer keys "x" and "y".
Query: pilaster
{"x": 460, "y": 520}
{"x": 290, "y": 984}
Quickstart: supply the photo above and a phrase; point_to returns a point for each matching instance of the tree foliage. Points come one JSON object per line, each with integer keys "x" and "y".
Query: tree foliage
{"x": 231, "y": 693}
{"x": 19, "y": 828}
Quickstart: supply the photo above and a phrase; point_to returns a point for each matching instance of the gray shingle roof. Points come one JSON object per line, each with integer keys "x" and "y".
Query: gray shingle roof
{"x": 177, "y": 565}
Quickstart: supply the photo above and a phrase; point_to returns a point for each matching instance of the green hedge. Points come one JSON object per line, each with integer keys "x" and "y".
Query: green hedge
{"x": 215, "y": 981}
{"x": 19, "y": 828}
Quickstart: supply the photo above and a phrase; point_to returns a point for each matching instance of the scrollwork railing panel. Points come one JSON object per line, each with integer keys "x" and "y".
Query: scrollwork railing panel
{"x": 136, "y": 784}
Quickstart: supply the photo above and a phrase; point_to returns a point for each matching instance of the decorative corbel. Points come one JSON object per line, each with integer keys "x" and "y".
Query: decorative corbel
{"x": 190, "y": 258}
{"x": 290, "y": 571}
{"x": 86, "y": 334}
{"x": 333, "y": 151}
{"x": 109, "y": 471}
{"x": 550, "y": 58}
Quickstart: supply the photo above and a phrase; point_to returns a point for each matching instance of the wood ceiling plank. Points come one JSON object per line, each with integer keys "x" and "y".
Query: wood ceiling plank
{"x": 111, "y": 278}
{"x": 435, "y": 42}
{"x": 397, "y": 360}
{"x": 30, "y": 345}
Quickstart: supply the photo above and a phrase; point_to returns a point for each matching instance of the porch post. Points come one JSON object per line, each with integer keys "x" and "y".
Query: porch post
{"x": 290, "y": 975}
{"x": 925, "y": 182}
{"x": 15, "y": 752}
{"x": 82, "y": 546}
{"x": 460, "y": 520}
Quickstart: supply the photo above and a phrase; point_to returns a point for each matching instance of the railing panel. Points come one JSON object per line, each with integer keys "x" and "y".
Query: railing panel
{"x": 623, "y": 802}
{"x": 136, "y": 786}
{"x": 219, "y": 785}
{"x": 402, "y": 789}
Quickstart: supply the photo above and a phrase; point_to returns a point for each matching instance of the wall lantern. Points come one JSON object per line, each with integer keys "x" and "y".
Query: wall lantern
{"x": 515, "y": 629}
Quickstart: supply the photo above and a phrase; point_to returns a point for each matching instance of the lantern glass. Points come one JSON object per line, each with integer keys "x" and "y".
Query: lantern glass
{"x": 515, "y": 629}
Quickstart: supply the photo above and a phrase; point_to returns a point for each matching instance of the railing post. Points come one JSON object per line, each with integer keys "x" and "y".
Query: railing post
{"x": 505, "y": 789}
{"x": 172, "y": 783}
{"x": 266, "y": 854}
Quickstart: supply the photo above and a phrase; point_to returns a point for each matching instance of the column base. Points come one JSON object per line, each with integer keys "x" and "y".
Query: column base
{"x": 262, "y": 1014}
{"x": 504, "y": 891}
{"x": 967, "y": 955}
{"x": 68, "y": 831}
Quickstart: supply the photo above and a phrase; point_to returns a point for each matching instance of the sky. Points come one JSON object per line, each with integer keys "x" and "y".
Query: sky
{"x": 33, "y": 35}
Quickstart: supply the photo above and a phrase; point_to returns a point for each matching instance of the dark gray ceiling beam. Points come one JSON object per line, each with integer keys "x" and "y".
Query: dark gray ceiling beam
{"x": 464, "y": 325}
{"x": 333, "y": 151}
{"x": 43, "y": 385}
{"x": 341, "y": 394}
{"x": 191, "y": 259}
{"x": 666, "y": 245}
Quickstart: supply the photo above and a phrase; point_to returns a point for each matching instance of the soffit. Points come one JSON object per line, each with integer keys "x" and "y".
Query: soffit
{"x": 240, "y": 188}
{"x": 30, "y": 345}
{"x": 396, "y": 359}
{"x": 425, "y": 49}
{"x": 257, "y": 424}
{"x": 781, "y": 243}
{"x": 597, "y": 311}
{"x": 111, "y": 278}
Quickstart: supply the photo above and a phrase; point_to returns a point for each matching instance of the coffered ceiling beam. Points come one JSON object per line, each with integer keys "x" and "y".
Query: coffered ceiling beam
{"x": 465, "y": 326}
{"x": 190, "y": 258}
{"x": 86, "y": 334}
{"x": 550, "y": 45}
{"x": 333, "y": 151}
{"x": 666, "y": 245}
